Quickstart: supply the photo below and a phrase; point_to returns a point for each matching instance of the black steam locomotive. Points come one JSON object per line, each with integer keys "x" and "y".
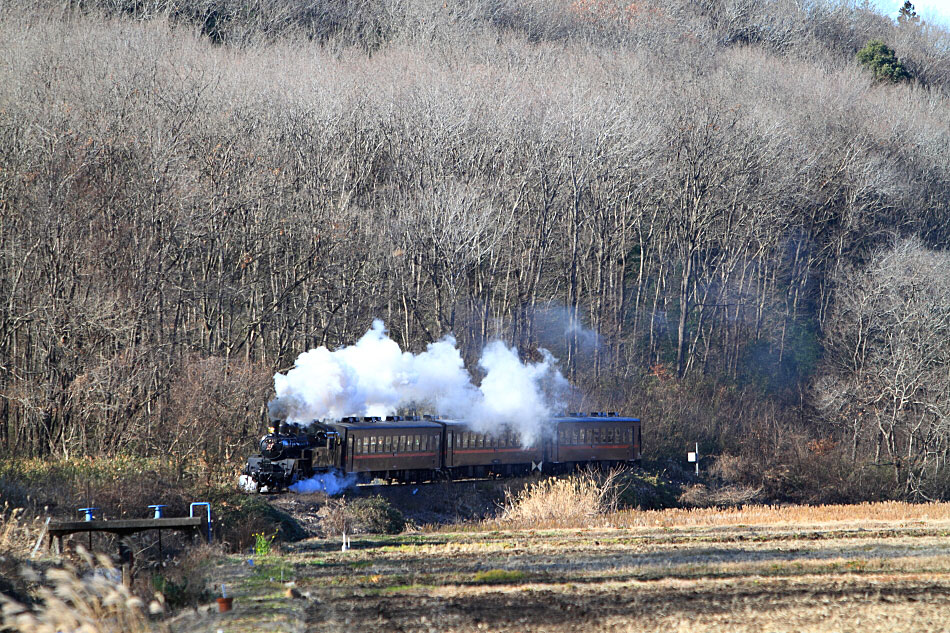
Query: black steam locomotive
{"x": 415, "y": 449}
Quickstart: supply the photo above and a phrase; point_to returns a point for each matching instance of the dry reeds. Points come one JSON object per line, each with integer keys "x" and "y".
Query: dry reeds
{"x": 17, "y": 533}
{"x": 574, "y": 501}
{"x": 90, "y": 599}
{"x": 889, "y": 511}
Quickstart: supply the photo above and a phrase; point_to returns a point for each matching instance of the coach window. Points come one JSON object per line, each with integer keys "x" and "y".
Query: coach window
{"x": 503, "y": 440}
{"x": 435, "y": 442}
{"x": 480, "y": 442}
{"x": 609, "y": 436}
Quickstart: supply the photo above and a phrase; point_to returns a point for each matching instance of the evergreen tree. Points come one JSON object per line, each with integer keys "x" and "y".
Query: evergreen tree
{"x": 882, "y": 61}
{"x": 907, "y": 14}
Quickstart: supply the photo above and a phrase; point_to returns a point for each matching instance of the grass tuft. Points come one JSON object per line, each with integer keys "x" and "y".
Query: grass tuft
{"x": 498, "y": 577}
{"x": 579, "y": 500}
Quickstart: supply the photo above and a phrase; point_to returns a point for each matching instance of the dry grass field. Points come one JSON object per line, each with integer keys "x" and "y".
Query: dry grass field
{"x": 873, "y": 567}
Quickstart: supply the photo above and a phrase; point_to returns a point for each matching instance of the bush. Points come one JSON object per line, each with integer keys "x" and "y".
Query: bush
{"x": 372, "y": 515}
{"x": 646, "y": 491}
{"x": 186, "y": 580}
{"x": 375, "y": 515}
{"x": 882, "y": 61}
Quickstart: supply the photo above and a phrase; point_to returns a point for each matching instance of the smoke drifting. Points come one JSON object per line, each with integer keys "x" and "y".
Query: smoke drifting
{"x": 332, "y": 483}
{"x": 375, "y": 377}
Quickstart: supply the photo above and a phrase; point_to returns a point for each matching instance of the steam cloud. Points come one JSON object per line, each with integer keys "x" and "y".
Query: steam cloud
{"x": 332, "y": 483}
{"x": 374, "y": 377}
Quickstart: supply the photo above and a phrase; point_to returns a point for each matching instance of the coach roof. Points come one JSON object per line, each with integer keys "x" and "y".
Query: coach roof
{"x": 389, "y": 426}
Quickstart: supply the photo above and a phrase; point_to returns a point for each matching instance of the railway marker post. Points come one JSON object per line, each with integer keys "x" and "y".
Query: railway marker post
{"x": 694, "y": 458}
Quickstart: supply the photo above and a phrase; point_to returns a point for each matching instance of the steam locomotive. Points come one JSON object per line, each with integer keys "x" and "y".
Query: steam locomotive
{"x": 416, "y": 449}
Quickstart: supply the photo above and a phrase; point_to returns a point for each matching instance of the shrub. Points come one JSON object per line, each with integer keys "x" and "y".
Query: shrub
{"x": 372, "y": 515}
{"x": 882, "y": 61}
{"x": 646, "y": 491}
{"x": 186, "y": 580}
{"x": 375, "y": 515}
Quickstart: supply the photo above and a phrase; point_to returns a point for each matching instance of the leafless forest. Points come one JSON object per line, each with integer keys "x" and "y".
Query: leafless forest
{"x": 192, "y": 192}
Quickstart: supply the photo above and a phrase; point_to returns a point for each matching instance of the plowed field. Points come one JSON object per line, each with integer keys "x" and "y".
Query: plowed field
{"x": 885, "y": 575}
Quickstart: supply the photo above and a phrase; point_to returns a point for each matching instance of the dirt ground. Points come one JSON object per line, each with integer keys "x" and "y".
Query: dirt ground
{"x": 834, "y": 576}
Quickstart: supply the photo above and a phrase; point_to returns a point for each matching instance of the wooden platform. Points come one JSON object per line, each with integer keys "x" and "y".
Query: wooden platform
{"x": 124, "y": 527}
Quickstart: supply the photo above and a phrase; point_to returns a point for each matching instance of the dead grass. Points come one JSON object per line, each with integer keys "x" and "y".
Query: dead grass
{"x": 89, "y": 598}
{"x": 578, "y": 500}
{"x": 884, "y": 511}
{"x": 16, "y": 531}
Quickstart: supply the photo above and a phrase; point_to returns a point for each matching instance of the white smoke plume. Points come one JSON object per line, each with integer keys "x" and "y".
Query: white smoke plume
{"x": 332, "y": 483}
{"x": 375, "y": 377}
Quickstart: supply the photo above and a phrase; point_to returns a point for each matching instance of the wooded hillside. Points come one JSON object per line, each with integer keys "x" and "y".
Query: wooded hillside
{"x": 753, "y": 221}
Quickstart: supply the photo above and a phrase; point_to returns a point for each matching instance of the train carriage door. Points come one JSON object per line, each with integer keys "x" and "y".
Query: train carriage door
{"x": 449, "y": 448}
{"x": 349, "y": 453}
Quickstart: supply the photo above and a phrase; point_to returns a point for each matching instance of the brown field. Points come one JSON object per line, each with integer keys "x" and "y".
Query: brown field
{"x": 873, "y": 567}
